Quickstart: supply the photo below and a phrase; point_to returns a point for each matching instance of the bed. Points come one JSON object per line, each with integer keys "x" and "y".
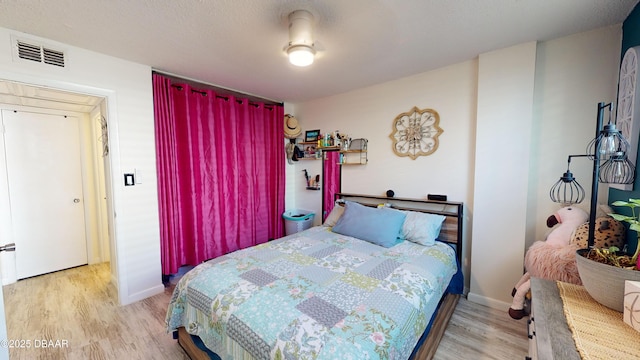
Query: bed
{"x": 326, "y": 294}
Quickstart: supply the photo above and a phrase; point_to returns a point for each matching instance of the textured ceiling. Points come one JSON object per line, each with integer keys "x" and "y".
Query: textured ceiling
{"x": 238, "y": 44}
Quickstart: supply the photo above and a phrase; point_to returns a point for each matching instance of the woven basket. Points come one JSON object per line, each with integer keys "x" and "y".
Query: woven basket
{"x": 605, "y": 283}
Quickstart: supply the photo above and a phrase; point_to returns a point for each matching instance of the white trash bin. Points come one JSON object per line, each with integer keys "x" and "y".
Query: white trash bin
{"x": 297, "y": 220}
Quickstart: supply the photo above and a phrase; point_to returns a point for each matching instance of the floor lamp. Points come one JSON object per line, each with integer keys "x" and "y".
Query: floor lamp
{"x": 608, "y": 151}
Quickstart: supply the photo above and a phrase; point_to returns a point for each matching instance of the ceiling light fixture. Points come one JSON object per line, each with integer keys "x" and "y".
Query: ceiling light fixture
{"x": 300, "y": 50}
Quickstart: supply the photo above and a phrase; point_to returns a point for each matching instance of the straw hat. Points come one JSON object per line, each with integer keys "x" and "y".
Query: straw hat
{"x": 291, "y": 127}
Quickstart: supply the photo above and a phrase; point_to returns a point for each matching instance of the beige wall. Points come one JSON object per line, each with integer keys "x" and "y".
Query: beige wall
{"x": 369, "y": 113}
{"x": 572, "y": 74}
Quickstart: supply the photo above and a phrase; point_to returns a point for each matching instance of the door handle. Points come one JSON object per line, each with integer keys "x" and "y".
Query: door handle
{"x": 8, "y": 247}
{"x": 76, "y": 200}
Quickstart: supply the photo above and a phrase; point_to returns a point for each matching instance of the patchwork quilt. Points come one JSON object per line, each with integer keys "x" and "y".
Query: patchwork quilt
{"x": 314, "y": 295}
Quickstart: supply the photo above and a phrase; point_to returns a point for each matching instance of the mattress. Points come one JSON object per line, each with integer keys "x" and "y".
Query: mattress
{"x": 315, "y": 294}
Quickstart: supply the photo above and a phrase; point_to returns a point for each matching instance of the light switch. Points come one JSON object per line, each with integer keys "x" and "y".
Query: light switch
{"x": 129, "y": 180}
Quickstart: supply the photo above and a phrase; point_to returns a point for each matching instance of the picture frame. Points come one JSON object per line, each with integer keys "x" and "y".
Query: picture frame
{"x": 311, "y": 135}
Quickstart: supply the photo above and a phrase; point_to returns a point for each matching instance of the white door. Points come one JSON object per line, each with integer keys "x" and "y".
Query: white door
{"x": 4, "y": 350}
{"x": 45, "y": 191}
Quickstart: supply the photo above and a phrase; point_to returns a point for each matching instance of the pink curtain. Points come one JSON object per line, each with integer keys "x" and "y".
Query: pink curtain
{"x": 220, "y": 170}
{"x": 331, "y": 181}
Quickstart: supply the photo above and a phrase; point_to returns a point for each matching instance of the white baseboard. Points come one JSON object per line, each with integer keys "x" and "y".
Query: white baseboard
{"x": 142, "y": 294}
{"x": 489, "y": 302}
{"x": 8, "y": 281}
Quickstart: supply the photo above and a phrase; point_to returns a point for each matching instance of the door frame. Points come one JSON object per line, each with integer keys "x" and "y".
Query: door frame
{"x": 100, "y": 175}
{"x": 108, "y": 107}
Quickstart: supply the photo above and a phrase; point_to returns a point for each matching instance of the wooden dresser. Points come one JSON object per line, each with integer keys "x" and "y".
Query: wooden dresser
{"x": 549, "y": 335}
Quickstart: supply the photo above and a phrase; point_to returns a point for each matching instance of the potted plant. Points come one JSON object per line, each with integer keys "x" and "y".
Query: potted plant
{"x": 634, "y": 224}
{"x": 604, "y": 271}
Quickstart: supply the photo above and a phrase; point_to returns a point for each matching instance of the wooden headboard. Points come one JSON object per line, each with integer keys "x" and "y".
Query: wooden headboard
{"x": 451, "y": 228}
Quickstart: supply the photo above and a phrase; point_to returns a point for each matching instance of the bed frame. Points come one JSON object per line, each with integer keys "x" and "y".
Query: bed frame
{"x": 451, "y": 233}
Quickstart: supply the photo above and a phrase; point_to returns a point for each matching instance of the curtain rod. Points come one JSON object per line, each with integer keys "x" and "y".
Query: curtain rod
{"x": 218, "y": 89}
{"x": 226, "y": 98}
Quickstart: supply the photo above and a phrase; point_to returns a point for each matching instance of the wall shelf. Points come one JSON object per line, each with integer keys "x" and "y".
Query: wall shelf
{"x": 329, "y": 148}
{"x": 353, "y": 157}
{"x": 347, "y": 157}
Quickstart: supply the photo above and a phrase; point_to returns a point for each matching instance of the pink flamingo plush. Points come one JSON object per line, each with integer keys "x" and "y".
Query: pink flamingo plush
{"x": 553, "y": 259}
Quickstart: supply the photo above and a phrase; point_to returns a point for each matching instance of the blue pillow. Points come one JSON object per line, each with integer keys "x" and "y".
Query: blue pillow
{"x": 377, "y": 226}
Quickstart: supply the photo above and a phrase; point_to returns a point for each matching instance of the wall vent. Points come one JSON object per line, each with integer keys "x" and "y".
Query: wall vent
{"x": 41, "y": 54}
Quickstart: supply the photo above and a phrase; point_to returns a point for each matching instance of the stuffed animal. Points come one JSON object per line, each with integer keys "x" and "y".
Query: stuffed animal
{"x": 608, "y": 231}
{"x": 553, "y": 259}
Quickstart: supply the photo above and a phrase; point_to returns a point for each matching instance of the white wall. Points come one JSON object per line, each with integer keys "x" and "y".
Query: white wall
{"x": 369, "y": 113}
{"x": 90, "y": 190}
{"x": 127, "y": 88}
{"x": 503, "y": 133}
{"x": 572, "y": 74}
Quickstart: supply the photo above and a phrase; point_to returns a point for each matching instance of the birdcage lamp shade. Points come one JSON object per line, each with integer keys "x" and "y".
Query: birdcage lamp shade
{"x": 617, "y": 170}
{"x": 608, "y": 142}
{"x": 567, "y": 190}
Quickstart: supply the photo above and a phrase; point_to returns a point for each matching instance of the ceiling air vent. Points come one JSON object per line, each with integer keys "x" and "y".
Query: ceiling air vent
{"x": 40, "y": 54}
{"x": 29, "y": 52}
{"x": 53, "y": 57}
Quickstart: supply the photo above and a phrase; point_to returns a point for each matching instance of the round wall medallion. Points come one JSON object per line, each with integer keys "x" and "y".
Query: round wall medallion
{"x": 415, "y": 133}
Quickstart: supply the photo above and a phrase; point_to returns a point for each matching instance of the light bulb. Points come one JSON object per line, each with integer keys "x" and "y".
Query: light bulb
{"x": 617, "y": 171}
{"x": 301, "y": 55}
{"x": 607, "y": 145}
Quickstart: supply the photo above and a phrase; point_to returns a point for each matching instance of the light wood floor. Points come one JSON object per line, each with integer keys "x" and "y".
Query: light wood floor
{"x": 80, "y": 306}
{"x": 478, "y": 332}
